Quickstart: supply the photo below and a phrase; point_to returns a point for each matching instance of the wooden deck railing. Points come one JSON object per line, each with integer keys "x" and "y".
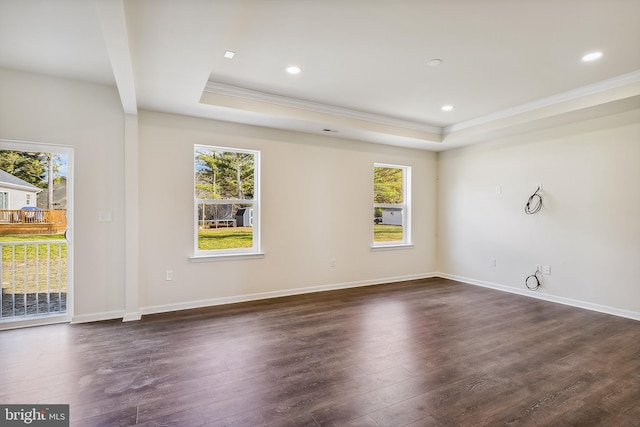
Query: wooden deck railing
{"x": 31, "y": 221}
{"x": 31, "y": 217}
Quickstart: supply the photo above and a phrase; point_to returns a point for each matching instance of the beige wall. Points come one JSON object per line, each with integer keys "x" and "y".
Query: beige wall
{"x": 316, "y": 204}
{"x": 89, "y": 118}
{"x": 588, "y": 231}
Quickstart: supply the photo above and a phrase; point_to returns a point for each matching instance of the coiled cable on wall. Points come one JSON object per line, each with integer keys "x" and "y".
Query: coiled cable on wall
{"x": 534, "y": 204}
{"x": 535, "y": 281}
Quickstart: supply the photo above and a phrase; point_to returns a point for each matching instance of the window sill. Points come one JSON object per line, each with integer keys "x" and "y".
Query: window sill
{"x": 226, "y": 257}
{"x": 392, "y": 247}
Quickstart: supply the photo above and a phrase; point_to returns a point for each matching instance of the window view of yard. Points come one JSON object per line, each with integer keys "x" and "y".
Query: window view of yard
{"x": 389, "y": 204}
{"x": 225, "y": 195}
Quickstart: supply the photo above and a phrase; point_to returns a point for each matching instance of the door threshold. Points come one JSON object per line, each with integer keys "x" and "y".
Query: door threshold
{"x": 24, "y": 322}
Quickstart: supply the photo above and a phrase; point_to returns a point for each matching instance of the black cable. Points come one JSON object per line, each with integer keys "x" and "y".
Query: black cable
{"x": 536, "y": 279}
{"x": 532, "y": 208}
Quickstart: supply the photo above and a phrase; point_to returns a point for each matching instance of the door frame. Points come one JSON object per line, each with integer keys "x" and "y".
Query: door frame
{"x": 69, "y": 152}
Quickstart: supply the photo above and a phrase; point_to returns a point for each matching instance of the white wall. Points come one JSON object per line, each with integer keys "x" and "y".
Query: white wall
{"x": 89, "y": 118}
{"x": 588, "y": 231}
{"x": 316, "y": 204}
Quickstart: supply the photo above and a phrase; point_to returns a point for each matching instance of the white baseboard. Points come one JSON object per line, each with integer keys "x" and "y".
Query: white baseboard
{"x": 552, "y": 298}
{"x": 276, "y": 294}
{"x": 131, "y": 317}
{"x": 96, "y": 317}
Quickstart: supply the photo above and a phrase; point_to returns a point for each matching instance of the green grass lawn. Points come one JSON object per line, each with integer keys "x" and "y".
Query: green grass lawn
{"x": 387, "y": 233}
{"x": 241, "y": 237}
{"x": 7, "y": 250}
{"x": 29, "y": 237}
{"x": 225, "y": 238}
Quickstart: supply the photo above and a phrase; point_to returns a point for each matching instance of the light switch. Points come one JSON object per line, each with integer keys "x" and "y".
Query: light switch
{"x": 104, "y": 216}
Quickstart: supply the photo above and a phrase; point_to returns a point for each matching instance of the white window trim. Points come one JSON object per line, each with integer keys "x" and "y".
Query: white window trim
{"x": 241, "y": 253}
{"x": 392, "y": 246}
{"x": 226, "y": 257}
{"x": 406, "y": 241}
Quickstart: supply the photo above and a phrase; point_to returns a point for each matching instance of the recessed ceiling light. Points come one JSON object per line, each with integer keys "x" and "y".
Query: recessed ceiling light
{"x": 592, "y": 56}
{"x": 229, "y": 54}
{"x": 294, "y": 69}
{"x": 447, "y": 108}
{"x": 434, "y": 62}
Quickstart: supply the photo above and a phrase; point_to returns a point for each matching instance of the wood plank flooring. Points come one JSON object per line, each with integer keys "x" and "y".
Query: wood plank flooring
{"x": 423, "y": 353}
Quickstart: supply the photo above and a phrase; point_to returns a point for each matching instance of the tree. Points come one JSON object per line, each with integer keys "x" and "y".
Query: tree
{"x": 224, "y": 175}
{"x": 388, "y": 185}
{"x": 29, "y": 167}
{"x": 36, "y": 168}
{"x": 50, "y": 170}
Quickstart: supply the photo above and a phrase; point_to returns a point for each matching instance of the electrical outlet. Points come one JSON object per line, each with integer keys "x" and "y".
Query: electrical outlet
{"x": 499, "y": 190}
{"x": 332, "y": 262}
{"x": 538, "y": 268}
{"x": 168, "y": 275}
{"x": 493, "y": 262}
{"x": 546, "y": 270}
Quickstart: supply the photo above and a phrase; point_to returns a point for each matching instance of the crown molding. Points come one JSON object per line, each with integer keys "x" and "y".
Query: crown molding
{"x": 618, "y": 87}
{"x": 599, "y": 87}
{"x": 284, "y": 101}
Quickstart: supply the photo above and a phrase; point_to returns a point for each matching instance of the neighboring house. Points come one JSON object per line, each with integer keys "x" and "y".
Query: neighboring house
{"x": 392, "y": 216}
{"x": 16, "y": 193}
{"x": 59, "y": 195}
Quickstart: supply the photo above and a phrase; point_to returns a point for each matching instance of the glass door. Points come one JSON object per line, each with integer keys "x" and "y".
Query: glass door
{"x": 35, "y": 220}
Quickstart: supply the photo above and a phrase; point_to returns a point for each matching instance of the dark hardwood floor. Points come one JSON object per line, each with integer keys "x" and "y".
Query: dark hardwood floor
{"x": 424, "y": 353}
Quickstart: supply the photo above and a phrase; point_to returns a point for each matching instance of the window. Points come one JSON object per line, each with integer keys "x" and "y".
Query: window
{"x": 4, "y": 200}
{"x": 391, "y": 205}
{"x": 28, "y": 199}
{"x": 226, "y": 191}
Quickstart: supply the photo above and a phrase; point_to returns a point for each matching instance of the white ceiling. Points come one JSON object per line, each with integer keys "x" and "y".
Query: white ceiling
{"x": 508, "y": 65}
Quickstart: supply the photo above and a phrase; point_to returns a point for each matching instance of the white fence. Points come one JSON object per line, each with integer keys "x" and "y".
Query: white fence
{"x": 34, "y": 278}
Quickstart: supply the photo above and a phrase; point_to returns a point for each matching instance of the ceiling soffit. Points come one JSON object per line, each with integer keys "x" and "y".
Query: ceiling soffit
{"x": 338, "y": 121}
